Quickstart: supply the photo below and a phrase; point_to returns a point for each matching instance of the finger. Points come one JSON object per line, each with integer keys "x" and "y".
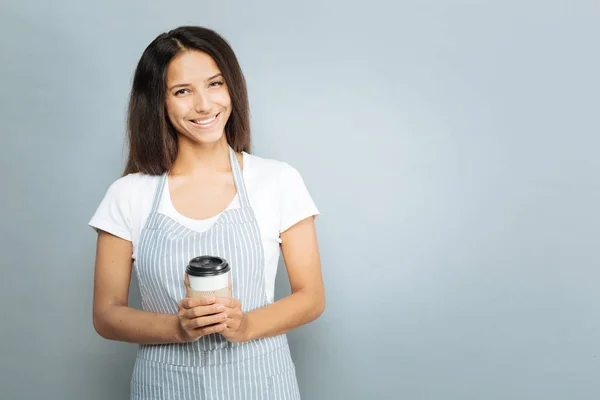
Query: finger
{"x": 228, "y": 302}
{"x": 202, "y": 311}
{"x": 186, "y": 282}
{"x": 235, "y": 303}
{"x": 191, "y": 302}
{"x": 212, "y": 329}
{"x": 202, "y": 322}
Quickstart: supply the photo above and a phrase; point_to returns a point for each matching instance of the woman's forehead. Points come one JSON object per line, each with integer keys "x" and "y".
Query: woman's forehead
{"x": 192, "y": 66}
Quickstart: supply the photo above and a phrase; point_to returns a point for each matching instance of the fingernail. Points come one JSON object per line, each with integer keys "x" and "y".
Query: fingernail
{"x": 210, "y": 299}
{"x": 220, "y": 307}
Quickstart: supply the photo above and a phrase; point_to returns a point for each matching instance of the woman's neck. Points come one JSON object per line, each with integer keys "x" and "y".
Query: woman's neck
{"x": 195, "y": 158}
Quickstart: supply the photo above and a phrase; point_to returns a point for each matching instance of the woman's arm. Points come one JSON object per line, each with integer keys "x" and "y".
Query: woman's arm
{"x": 115, "y": 320}
{"x": 306, "y": 303}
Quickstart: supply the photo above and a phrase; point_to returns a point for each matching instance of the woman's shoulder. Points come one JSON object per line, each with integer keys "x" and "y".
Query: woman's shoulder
{"x": 135, "y": 185}
{"x": 275, "y": 177}
{"x": 267, "y": 168}
{"x": 283, "y": 193}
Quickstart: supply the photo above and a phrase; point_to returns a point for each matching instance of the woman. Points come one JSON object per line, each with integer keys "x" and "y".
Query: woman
{"x": 191, "y": 188}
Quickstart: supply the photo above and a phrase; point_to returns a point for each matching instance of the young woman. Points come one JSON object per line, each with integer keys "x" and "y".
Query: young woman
{"x": 191, "y": 188}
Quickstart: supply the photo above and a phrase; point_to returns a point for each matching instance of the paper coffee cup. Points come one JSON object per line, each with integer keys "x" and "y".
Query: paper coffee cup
{"x": 208, "y": 276}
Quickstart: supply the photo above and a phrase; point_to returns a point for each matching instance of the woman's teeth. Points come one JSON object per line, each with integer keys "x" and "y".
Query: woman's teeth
{"x": 204, "y": 121}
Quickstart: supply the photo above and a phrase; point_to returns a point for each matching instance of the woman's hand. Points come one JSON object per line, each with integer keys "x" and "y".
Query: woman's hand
{"x": 236, "y": 320}
{"x": 235, "y": 330}
{"x": 200, "y": 316}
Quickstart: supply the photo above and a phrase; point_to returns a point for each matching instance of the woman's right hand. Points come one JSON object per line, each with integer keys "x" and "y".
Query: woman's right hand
{"x": 199, "y": 316}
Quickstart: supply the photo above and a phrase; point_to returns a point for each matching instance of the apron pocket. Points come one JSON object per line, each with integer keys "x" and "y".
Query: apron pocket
{"x": 139, "y": 391}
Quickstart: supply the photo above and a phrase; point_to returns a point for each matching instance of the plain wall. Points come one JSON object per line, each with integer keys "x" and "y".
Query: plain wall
{"x": 451, "y": 146}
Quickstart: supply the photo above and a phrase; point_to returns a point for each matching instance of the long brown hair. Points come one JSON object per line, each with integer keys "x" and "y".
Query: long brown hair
{"x": 151, "y": 137}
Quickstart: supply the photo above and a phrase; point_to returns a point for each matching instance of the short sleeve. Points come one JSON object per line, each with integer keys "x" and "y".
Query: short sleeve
{"x": 295, "y": 201}
{"x": 113, "y": 215}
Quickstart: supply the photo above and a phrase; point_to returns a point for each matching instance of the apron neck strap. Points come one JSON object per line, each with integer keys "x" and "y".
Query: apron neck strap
{"x": 238, "y": 178}
{"x": 159, "y": 192}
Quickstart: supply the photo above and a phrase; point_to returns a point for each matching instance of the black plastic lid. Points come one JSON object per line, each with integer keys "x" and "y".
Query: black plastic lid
{"x": 207, "y": 266}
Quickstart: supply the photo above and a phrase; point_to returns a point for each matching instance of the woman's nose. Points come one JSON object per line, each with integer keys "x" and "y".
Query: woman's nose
{"x": 201, "y": 102}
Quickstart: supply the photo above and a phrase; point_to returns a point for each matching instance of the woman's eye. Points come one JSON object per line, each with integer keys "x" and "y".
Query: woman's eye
{"x": 181, "y": 91}
{"x": 217, "y": 83}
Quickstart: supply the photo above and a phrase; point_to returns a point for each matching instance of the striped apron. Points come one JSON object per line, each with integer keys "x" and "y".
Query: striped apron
{"x": 210, "y": 368}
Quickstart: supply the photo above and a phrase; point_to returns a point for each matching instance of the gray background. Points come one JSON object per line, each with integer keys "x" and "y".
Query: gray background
{"x": 450, "y": 145}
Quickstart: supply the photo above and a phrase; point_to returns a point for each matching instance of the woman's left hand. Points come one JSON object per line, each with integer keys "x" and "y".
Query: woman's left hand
{"x": 236, "y": 320}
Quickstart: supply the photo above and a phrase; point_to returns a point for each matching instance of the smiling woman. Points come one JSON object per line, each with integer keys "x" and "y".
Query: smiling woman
{"x": 183, "y": 76}
{"x": 198, "y": 102}
{"x": 191, "y": 188}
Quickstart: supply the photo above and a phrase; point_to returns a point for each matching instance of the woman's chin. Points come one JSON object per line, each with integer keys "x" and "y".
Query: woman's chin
{"x": 205, "y": 138}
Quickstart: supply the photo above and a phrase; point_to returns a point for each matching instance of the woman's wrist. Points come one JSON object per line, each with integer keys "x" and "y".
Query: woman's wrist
{"x": 246, "y": 333}
{"x": 178, "y": 332}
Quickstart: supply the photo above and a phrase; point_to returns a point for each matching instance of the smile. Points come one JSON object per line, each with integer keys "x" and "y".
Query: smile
{"x": 205, "y": 122}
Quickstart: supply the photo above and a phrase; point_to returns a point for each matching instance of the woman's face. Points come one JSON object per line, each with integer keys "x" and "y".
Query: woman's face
{"x": 197, "y": 99}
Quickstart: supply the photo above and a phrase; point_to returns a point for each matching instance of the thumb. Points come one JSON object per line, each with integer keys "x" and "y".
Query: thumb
{"x": 186, "y": 282}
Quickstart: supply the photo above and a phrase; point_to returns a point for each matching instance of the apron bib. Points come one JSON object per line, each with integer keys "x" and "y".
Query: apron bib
{"x": 211, "y": 367}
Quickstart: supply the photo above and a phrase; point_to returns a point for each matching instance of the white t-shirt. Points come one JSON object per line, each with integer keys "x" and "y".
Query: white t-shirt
{"x": 276, "y": 191}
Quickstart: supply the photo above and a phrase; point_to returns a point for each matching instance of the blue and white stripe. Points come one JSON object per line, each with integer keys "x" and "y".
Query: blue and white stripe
{"x": 210, "y": 368}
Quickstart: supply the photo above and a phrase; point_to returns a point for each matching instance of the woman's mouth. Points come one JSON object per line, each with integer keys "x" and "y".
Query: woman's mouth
{"x": 205, "y": 123}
